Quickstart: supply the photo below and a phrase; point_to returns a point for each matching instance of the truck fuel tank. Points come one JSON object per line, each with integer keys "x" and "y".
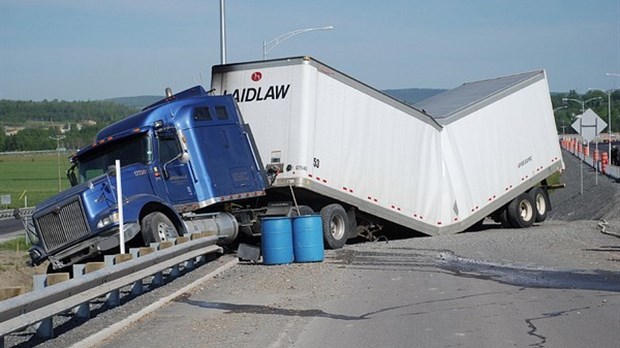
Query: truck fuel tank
{"x": 224, "y": 225}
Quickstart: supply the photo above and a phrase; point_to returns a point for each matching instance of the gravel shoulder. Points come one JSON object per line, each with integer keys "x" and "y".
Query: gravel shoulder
{"x": 598, "y": 201}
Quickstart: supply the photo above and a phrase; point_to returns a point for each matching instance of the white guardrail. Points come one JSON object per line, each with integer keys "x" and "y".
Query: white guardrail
{"x": 96, "y": 279}
{"x": 18, "y": 213}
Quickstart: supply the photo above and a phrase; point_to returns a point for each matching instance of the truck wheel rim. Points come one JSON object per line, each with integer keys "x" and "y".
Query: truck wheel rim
{"x": 166, "y": 232}
{"x": 541, "y": 204}
{"x": 526, "y": 210}
{"x": 337, "y": 227}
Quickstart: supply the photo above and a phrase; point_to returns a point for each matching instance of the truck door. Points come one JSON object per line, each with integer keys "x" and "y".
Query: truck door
{"x": 229, "y": 159}
{"x": 174, "y": 169}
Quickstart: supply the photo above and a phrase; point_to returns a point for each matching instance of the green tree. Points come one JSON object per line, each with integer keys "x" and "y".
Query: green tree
{"x": 2, "y": 139}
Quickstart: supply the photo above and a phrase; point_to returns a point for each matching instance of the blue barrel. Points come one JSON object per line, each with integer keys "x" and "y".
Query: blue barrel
{"x": 276, "y": 240}
{"x": 308, "y": 238}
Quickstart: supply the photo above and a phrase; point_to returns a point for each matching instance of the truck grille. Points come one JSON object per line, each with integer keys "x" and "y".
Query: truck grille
{"x": 62, "y": 225}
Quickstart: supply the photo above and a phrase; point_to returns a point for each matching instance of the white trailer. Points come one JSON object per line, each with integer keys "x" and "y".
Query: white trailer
{"x": 481, "y": 149}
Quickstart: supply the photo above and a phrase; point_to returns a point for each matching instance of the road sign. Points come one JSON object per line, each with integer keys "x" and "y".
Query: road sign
{"x": 5, "y": 199}
{"x": 589, "y": 125}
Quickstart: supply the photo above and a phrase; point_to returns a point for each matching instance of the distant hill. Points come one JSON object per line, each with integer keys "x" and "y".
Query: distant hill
{"x": 412, "y": 95}
{"x": 406, "y": 95}
{"x": 137, "y": 102}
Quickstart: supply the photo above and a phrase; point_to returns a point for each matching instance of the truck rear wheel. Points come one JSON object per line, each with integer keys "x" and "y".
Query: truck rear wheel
{"x": 521, "y": 211}
{"x": 541, "y": 203}
{"x": 157, "y": 227}
{"x": 335, "y": 226}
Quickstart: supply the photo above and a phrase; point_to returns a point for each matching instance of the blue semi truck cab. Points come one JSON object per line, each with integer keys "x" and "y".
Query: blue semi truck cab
{"x": 184, "y": 160}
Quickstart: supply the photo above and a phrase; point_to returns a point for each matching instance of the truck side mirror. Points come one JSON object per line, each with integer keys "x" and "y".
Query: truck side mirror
{"x": 71, "y": 175}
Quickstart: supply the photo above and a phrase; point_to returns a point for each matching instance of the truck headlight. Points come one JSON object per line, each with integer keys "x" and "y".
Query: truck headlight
{"x": 108, "y": 220}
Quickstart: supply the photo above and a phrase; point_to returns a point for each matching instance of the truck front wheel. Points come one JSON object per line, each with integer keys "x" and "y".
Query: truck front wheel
{"x": 157, "y": 227}
{"x": 335, "y": 226}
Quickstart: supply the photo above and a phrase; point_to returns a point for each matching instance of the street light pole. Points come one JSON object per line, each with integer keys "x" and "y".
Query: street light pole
{"x": 563, "y": 126}
{"x": 222, "y": 32}
{"x": 278, "y": 40}
{"x": 582, "y": 102}
{"x": 58, "y": 138}
{"x": 583, "y": 110}
{"x": 608, "y": 92}
{"x": 610, "y": 132}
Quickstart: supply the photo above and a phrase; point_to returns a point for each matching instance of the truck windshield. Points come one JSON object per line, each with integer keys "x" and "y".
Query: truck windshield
{"x": 134, "y": 149}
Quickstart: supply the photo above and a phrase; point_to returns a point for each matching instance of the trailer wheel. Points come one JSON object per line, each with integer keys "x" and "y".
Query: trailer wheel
{"x": 521, "y": 211}
{"x": 541, "y": 203}
{"x": 335, "y": 226}
{"x": 157, "y": 227}
{"x": 504, "y": 220}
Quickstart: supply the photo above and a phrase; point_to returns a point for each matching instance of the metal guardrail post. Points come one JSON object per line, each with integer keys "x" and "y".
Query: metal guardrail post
{"x": 46, "y": 327}
{"x": 175, "y": 271}
{"x": 83, "y": 310}
{"x": 39, "y": 282}
{"x": 158, "y": 278}
{"x": 138, "y": 286}
{"x": 113, "y": 298}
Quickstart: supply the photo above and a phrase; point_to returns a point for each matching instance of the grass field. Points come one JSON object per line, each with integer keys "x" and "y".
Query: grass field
{"x": 37, "y": 174}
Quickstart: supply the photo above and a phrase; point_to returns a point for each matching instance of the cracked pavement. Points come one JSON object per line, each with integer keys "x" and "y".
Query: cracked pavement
{"x": 463, "y": 290}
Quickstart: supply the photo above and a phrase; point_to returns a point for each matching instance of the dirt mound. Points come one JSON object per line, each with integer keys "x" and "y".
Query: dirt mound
{"x": 15, "y": 272}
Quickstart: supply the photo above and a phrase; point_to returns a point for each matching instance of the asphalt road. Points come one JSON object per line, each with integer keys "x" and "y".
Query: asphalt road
{"x": 10, "y": 229}
{"x": 489, "y": 289}
{"x": 556, "y": 284}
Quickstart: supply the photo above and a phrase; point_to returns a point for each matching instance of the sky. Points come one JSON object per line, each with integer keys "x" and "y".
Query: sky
{"x": 92, "y": 49}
